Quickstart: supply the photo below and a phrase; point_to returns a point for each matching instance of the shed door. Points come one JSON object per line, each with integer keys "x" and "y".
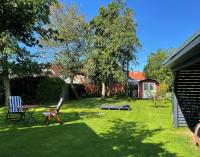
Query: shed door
{"x": 149, "y": 89}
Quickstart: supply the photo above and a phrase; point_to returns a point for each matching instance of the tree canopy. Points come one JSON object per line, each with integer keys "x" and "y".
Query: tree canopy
{"x": 155, "y": 69}
{"x": 23, "y": 18}
{"x": 103, "y": 48}
{"x": 21, "y": 22}
{"x": 113, "y": 42}
{"x": 69, "y": 42}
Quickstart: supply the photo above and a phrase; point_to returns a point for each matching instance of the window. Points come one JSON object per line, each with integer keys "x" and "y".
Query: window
{"x": 145, "y": 86}
{"x": 151, "y": 86}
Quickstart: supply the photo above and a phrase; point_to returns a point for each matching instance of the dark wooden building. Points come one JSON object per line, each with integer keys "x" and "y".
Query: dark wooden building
{"x": 185, "y": 64}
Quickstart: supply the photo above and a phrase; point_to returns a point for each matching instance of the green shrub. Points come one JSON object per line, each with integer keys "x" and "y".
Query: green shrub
{"x": 37, "y": 89}
{"x": 49, "y": 89}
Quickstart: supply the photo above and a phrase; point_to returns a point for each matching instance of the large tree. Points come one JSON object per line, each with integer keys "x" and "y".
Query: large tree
{"x": 113, "y": 41}
{"x": 69, "y": 41}
{"x": 21, "y": 21}
{"x": 155, "y": 69}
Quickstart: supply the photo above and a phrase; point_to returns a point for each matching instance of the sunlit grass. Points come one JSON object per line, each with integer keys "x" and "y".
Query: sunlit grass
{"x": 145, "y": 131}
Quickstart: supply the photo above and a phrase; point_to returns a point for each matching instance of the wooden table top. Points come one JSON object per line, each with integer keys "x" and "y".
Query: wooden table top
{"x": 28, "y": 106}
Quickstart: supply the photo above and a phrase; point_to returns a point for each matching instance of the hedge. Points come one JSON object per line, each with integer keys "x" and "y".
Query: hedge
{"x": 35, "y": 89}
{"x": 49, "y": 89}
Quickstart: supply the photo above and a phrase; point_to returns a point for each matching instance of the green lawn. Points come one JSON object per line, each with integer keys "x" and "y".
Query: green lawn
{"x": 145, "y": 131}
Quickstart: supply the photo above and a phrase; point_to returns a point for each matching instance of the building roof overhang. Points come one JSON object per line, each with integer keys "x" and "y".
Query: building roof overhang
{"x": 187, "y": 54}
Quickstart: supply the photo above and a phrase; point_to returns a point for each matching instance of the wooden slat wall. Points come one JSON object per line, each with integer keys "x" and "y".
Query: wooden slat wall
{"x": 187, "y": 90}
{"x": 181, "y": 118}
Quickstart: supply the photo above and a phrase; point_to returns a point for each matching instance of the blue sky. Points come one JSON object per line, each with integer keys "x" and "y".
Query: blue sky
{"x": 161, "y": 23}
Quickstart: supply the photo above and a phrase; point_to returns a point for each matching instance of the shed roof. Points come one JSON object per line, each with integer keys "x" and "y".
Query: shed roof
{"x": 149, "y": 80}
{"x": 136, "y": 75}
{"x": 186, "y": 52}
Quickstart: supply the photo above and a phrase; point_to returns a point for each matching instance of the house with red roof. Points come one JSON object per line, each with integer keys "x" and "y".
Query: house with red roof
{"x": 56, "y": 72}
{"x": 142, "y": 87}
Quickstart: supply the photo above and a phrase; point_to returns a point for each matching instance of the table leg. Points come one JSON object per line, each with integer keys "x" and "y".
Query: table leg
{"x": 24, "y": 117}
{"x": 30, "y": 116}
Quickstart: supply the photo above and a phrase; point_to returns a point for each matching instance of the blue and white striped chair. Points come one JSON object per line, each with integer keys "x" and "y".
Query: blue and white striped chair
{"x": 14, "y": 103}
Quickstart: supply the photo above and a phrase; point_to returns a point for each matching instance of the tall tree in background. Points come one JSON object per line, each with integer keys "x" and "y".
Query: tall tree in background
{"x": 130, "y": 43}
{"x": 70, "y": 42}
{"x": 155, "y": 69}
{"x": 20, "y": 21}
{"x": 113, "y": 42}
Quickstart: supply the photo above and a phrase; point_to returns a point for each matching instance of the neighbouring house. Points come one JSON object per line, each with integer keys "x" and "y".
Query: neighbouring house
{"x": 185, "y": 64}
{"x": 55, "y": 72}
{"x": 90, "y": 87}
{"x": 142, "y": 87}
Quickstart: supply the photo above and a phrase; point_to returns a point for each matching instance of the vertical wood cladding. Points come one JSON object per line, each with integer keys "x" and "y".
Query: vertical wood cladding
{"x": 187, "y": 90}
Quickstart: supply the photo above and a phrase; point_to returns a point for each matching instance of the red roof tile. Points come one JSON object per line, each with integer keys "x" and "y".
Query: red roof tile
{"x": 137, "y": 75}
{"x": 55, "y": 70}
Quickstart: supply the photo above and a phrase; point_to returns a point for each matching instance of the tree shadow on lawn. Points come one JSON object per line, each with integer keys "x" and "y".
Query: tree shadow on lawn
{"x": 160, "y": 106}
{"x": 127, "y": 138}
{"x": 66, "y": 117}
{"x": 78, "y": 139}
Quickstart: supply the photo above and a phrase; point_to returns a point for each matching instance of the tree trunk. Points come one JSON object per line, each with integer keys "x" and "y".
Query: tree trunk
{"x": 103, "y": 89}
{"x": 5, "y": 73}
{"x": 73, "y": 88}
{"x": 6, "y": 83}
{"x": 127, "y": 76}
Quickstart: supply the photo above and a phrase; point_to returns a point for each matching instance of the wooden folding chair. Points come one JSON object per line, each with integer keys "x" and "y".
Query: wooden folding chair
{"x": 53, "y": 112}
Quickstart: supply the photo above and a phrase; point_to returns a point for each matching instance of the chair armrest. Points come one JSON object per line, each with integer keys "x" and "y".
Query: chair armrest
{"x": 53, "y": 106}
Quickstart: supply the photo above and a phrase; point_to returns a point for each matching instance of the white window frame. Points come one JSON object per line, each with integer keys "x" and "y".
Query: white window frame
{"x": 148, "y": 83}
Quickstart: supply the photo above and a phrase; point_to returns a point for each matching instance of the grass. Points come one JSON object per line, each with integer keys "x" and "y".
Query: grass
{"x": 145, "y": 131}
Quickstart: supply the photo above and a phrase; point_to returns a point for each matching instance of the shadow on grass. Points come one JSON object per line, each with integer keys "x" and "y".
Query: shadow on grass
{"x": 66, "y": 117}
{"x": 79, "y": 140}
{"x": 38, "y": 116}
{"x": 160, "y": 106}
{"x": 128, "y": 139}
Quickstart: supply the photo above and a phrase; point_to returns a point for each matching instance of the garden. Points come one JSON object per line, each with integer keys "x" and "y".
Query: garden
{"x": 143, "y": 131}
{"x": 49, "y": 50}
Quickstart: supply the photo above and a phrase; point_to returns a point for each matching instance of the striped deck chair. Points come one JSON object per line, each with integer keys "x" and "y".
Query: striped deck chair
{"x": 14, "y": 103}
{"x": 53, "y": 112}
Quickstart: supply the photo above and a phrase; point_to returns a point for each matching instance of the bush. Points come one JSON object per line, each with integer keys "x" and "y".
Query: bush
{"x": 34, "y": 90}
{"x": 49, "y": 89}
{"x": 168, "y": 96}
{"x": 37, "y": 89}
{"x": 26, "y": 88}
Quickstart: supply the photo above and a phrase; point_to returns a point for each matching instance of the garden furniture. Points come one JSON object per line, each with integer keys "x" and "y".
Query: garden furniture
{"x": 27, "y": 113}
{"x": 53, "y": 112}
{"x": 197, "y": 129}
{"x": 13, "y": 108}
